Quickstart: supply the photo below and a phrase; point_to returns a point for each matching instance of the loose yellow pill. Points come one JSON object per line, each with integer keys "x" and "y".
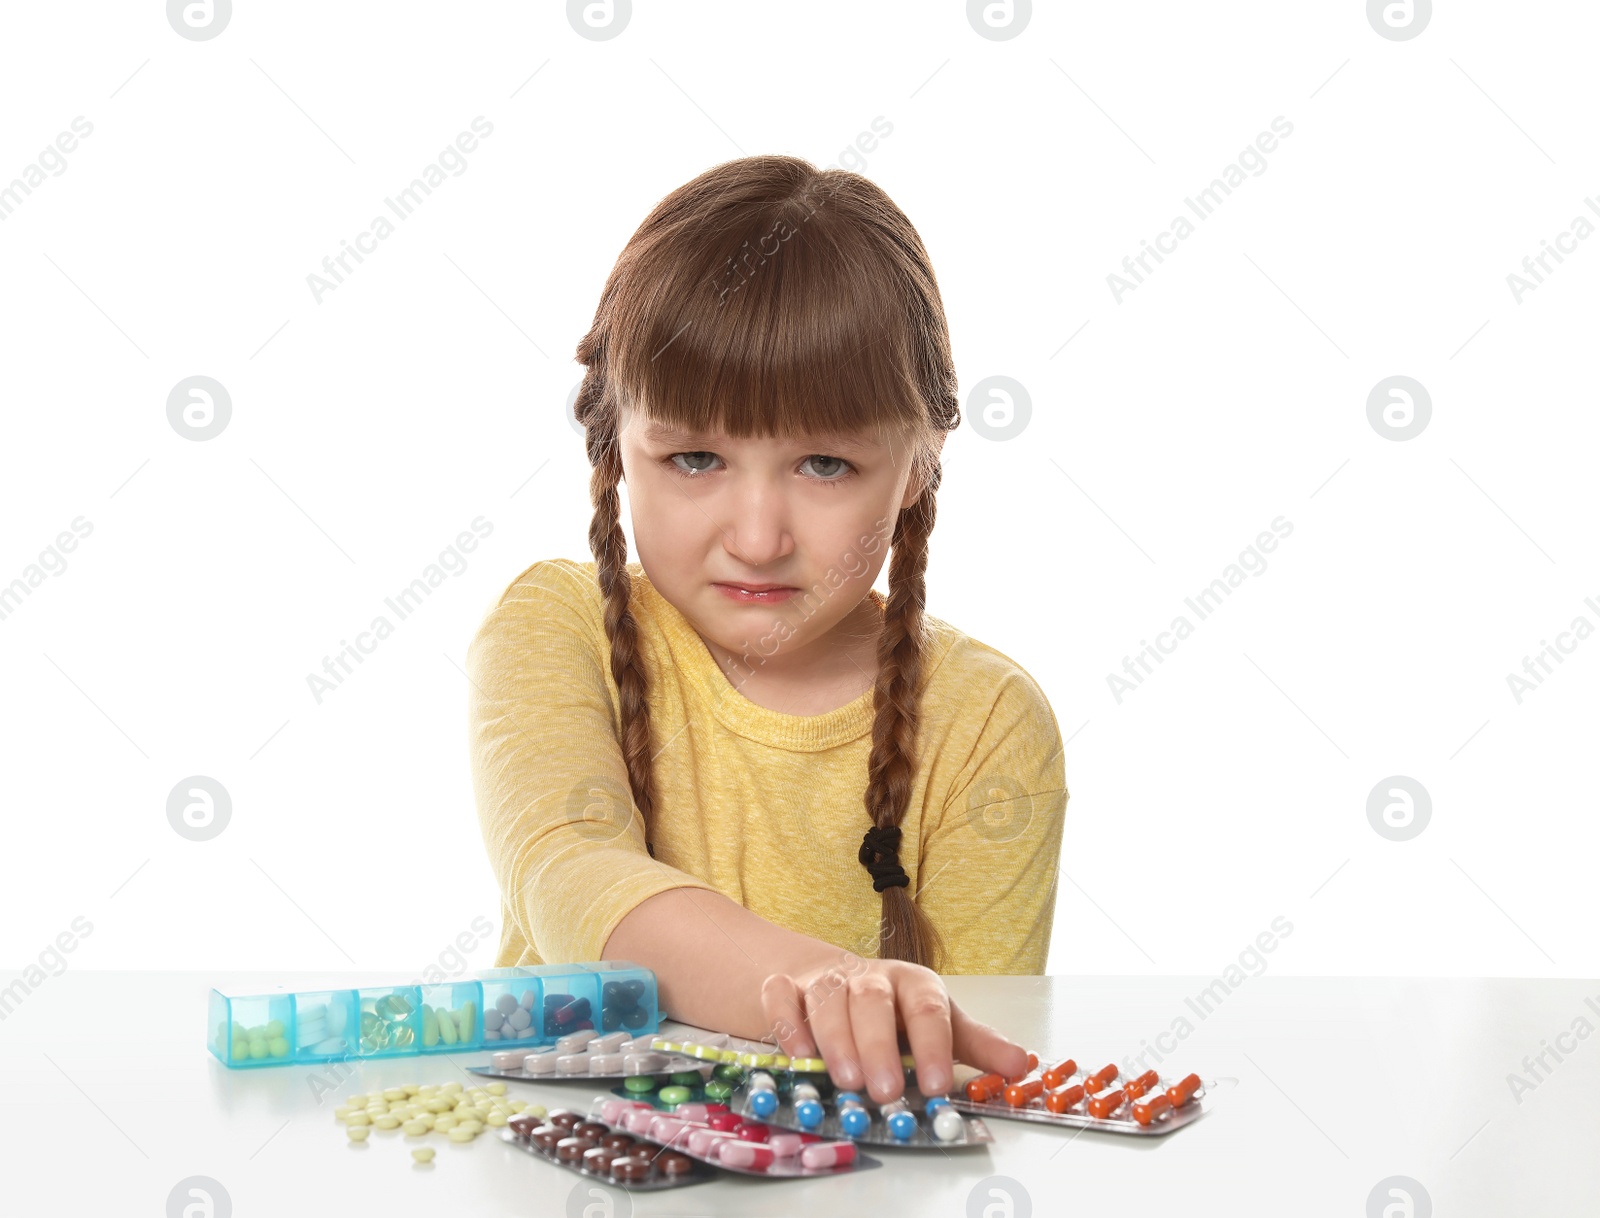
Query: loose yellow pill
{"x": 342, "y": 1111}
{"x": 355, "y": 1101}
{"x": 412, "y": 1088}
{"x": 439, "y": 1104}
{"x": 451, "y": 1087}
{"x": 427, "y": 1119}
{"x": 496, "y": 1118}
{"x": 415, "y": 1129}
{"x": 537, "y": 1111}
{"x": 462, "y": 1134}
{"x": 445, "y": 1123}
{"x": 475, "y": 1126}
{"x": 358, "y": 1133}
{"x": 356, "y": 1119}
{"x": 394, "y": 1093}
{"x": 496, "y": 1088}
{"x": 423, "y": 1154}
{"x": 428, "y": 1089}
{"x": 387, "y": 1121}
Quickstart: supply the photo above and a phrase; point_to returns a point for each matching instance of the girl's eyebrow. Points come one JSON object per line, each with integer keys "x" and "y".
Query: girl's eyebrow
{"x": 668, "y": 435}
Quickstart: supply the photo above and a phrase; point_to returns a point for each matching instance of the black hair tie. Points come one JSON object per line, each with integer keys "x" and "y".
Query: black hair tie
{"x": 880, "y": 855}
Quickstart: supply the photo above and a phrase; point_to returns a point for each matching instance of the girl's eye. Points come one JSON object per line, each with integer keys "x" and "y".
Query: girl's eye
{"x": 688, "y": 473}
{"x": 837, "y": 468}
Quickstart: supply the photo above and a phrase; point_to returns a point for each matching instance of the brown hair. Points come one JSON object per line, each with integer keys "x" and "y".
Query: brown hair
{"x": 769, "y": 298}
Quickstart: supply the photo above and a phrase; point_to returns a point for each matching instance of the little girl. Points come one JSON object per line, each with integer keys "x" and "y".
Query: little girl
{"x": 733, "y": 761}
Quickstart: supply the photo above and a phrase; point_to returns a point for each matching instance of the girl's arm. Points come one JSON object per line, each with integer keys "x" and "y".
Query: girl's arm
{"x": 718, "y": 965}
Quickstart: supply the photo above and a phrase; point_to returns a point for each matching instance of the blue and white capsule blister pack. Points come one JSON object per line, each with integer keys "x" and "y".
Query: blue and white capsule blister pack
{"x": 913, "y": 1122}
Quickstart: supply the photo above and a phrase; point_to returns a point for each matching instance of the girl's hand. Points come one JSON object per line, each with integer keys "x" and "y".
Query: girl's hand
{"x": 851, "y": 1017}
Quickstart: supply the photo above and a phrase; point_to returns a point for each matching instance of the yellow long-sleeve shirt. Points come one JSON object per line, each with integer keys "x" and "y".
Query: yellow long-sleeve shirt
{"x": 762, "y": 806}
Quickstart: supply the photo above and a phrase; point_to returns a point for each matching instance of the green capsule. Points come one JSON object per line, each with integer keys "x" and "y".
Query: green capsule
{"x": 730, "y": 1073}
{"x": 686, "y": 1078}
{"x": 673, "y": 1095}
{"x": 639, "y": 1083}
{"x": 718, "y": 1089}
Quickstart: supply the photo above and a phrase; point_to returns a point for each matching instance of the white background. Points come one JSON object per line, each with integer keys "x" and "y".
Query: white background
{"x": 1167, "y": 431}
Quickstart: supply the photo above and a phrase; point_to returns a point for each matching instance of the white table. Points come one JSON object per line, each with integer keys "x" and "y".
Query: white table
{"x": 111, "y": 1099}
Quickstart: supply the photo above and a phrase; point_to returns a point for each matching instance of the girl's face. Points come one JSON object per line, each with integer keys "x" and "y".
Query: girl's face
{"x": 814, "y": 515}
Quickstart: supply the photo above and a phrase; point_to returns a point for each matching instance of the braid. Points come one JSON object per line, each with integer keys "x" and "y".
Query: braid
{"x": 905, "y": 932}
{"x": 610, "y": 548}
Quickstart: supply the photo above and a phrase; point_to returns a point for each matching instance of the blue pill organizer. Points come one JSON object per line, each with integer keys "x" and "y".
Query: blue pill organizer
{"x": 523, "y": 1006}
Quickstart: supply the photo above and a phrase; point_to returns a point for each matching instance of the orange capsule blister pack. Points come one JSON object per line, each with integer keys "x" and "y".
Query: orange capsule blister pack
{"x": 1060, "y": 1093}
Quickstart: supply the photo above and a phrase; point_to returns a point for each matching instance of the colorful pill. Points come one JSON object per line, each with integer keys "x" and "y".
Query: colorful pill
{"x": 1063, "y": 1098}
{"x": 854, "y": 1121}
{"x": 751, "y": 1131}
{"x": 848, "y": 1097}
{"x": 808, "y": 1113}
{"x": 786, "y": 1145}
{"x": 764, "y": 1102}
{"x": 898, "y": 1117}
{"x": 1142, "y": 1084}
{"x": 735, "y": 1153}
{"x": 676, "y": 1094}
{"x": 701, "y": 1141}
{"x": 1151, "y": 1107}
{"x": 828, "y": 1154}
{"x": 804, "y": 1091}
{"x": 1184, "y": 1091}
{"x": 1103, "y": 1105}
{"x": 948, "y": 1125}
{"x": 725, "y": 1121}
{"x": 984, "y": 1088}
{"x": 1020, "y": 1094}
{"x": 1060, "y": 1073}
{"x": 934, "y": 1104}
{"x": 697, "y": 1112}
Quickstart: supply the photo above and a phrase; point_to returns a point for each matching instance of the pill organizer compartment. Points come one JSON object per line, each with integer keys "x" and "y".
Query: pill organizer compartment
{"x": 569, "y": 998}
{"x": 324, "y": 1025}
{"x": 251, "y": 1030}
{"x": 513, "y": 1000}
{"x": 389, "y": 1021}
{"x": 452, "y": 1016}
{"x": 627, "y": 997}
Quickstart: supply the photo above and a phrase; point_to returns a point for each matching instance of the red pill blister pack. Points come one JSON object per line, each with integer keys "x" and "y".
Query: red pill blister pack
{"x": 1059, "y": 1093}
{"x": 596, "y": 1150}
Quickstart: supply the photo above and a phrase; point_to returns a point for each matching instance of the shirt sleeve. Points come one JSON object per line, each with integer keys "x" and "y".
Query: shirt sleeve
{"x": 564, "y": 836}
{"x": 988, "y": 870}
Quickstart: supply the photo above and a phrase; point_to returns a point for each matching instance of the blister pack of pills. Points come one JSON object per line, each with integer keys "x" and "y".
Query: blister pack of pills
{"x": 600, "y": 1152}
{"x": 1062, "y": 1094}
{"x": 677, "y": 1142}
{"x": 808, "y": 1103}
{"x": 588, "y": 1056}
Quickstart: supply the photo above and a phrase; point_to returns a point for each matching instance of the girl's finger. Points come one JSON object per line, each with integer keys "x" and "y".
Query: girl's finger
{"x": 977, "y": 1044}
{"x": 872, "y": 1023}
{"x": 827, "y": 1010}
{"x": 785, "y": 1016}
{"x": 925, "y": 1009}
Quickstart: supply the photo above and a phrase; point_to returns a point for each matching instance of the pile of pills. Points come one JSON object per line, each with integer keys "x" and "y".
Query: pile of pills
{"x": 445, "y": 1027}
{"x": 419, "y": 1109}
{"x": 1062, "y": 1094}
{"x": 509, "y": 1019}
{"x": 633, "y": 1144}
{"x": 320, "y": 1028}
{"x": 619, "y": 1006}
{"x": 263, "y": 1040}
{"x": 385, "y": 1023}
